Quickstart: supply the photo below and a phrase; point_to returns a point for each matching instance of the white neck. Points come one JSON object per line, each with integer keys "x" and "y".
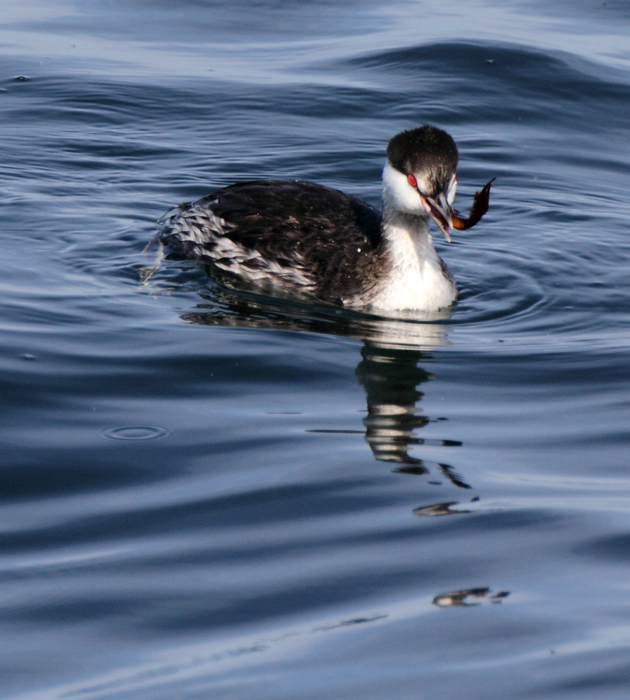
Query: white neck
{"x": 416, "y": 279}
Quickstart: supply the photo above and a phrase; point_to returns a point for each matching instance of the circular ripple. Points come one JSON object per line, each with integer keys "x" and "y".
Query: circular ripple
{"x": 136, "y": 432}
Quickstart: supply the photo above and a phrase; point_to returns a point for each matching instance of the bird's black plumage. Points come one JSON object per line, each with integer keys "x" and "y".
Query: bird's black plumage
{"x": 319, "y": 240}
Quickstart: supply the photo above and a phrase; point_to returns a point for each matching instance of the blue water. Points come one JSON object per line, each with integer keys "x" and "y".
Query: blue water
{"x": 211, "y": 494}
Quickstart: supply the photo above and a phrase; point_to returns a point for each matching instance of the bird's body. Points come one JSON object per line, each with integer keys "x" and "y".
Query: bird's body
{"x": 307, "y": 239}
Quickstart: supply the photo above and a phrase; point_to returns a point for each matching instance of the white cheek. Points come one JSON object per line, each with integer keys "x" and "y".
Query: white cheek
{"x": 398, "y": 193}
{"x": 451, "y": 190}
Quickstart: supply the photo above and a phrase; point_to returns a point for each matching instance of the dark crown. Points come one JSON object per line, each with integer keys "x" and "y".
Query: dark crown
{"x": 424, "y": 150}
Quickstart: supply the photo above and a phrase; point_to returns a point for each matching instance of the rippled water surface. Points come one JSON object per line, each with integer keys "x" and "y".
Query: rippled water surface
{"x": 211, "y": 494}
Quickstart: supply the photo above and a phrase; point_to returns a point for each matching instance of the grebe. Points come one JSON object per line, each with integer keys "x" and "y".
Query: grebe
{"x": 307, "y": 239}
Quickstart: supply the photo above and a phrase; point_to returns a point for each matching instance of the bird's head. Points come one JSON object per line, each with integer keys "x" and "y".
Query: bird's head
{"x": 420, "y": 175}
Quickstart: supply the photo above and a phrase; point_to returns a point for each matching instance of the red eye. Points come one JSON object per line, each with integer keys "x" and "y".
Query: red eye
{"x": 412, "y": 180}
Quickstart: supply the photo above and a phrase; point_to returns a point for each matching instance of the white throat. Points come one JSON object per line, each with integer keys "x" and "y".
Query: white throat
{"x": 417, "y": 278}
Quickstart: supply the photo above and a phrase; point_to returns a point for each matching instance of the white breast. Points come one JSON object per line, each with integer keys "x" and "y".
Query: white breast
{"x": 416, "y": 279}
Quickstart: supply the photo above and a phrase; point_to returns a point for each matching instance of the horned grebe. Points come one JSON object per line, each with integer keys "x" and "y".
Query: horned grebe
{"x": 312, "y": 240}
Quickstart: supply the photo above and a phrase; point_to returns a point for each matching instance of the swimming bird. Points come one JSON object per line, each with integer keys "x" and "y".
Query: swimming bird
{"x": 309, "y": 240}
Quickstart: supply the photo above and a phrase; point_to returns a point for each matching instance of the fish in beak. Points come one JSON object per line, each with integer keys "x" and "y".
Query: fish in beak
{"x": 447, "y": 218}
{"x": 440, "y": 211}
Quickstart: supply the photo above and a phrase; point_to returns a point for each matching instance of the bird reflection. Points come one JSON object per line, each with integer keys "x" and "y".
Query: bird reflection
{"x": 450, "y": 508}
{"x": 390, "y": 376}
{"x": 389, "y": 371}
{"x": 468, "y": 597}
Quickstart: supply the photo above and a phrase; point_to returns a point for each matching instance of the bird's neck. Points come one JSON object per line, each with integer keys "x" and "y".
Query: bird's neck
{"x": 407, "y": 237}
{"x": 417, "y": 277}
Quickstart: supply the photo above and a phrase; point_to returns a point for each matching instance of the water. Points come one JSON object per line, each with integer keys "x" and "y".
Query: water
{"x": 217, "y": 495}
